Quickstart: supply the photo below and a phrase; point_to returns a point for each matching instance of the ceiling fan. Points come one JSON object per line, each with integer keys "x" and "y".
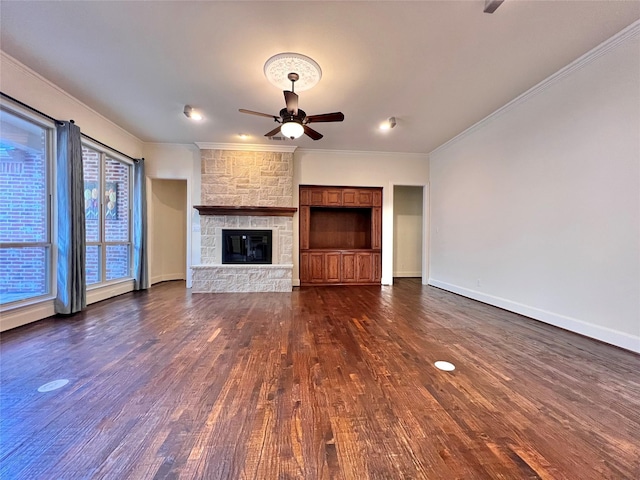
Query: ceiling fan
{"x": 294, "y": 121}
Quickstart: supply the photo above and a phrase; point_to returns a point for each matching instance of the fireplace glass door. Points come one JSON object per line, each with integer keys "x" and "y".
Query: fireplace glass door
{"x": 246, "y": 246}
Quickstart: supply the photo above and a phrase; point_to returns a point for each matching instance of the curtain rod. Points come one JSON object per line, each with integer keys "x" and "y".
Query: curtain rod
{"x": 110, "y": 148}
{"x": 55, "y": 120}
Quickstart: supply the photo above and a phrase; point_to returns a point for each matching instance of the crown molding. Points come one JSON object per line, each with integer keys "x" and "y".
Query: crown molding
{"x": 631, "y": 31}
{"x": 371, "y": 153}
{"x": 189, "y": 146}
{"x": 246, "y": 147}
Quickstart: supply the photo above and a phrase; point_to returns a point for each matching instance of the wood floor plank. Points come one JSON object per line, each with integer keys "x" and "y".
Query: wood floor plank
{"x": 320, "y": 383}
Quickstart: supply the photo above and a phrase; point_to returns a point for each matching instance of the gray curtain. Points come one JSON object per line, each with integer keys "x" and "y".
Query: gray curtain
{"x": 140, "y": 260}
{"x": 71, "y": 281}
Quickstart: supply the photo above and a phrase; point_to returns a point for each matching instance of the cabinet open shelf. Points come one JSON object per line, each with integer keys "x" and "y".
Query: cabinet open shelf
{"x": 339, "y": 228}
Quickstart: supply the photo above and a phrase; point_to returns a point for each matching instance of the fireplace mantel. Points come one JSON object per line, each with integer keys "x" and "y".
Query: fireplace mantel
{"x": 246, "y": 211}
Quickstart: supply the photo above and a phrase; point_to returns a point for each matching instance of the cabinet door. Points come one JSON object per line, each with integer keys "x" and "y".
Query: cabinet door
{"x": 377, "y": 198}
{"x": 349, "y": 197}
{"x": 305, "y": 275}
{"x": 357, "y": 197}
{"x": 365, "y": 198}
{"x": 333, "y": 197}
{"x": 316, "y": 267}
{"x": 348, "y": 267}
{"x": 376, "y": 228}
{"x": 304, "y": 227}
{"x": 364, "y": 267}
{"x": 316, "y": 196}
{"x": 377, "y": 267}
{"x": 332, "y": 267}
{"x": 305, "y": 196}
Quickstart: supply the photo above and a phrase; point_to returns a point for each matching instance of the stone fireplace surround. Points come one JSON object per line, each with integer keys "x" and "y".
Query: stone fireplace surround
{"x": 249, "y": 190}
{"x": 213, "y": 276}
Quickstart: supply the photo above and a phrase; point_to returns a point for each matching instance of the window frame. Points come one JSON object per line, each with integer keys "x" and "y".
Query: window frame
{"x": 105, "y": 153}
{"x": 7, "y": 107}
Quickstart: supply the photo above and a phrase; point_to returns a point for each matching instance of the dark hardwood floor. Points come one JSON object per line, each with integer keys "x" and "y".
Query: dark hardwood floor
{"x": 324, "y": 382}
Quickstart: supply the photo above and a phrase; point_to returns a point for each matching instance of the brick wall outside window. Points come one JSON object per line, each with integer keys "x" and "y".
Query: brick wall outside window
{"x": 107, "y": 216}
{"x": 92, "y": 188}
{"x": 23, "y": 218}
{"x": 117, "y": 226}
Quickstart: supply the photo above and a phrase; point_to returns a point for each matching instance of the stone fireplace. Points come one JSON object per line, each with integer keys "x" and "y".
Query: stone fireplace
{"x": 245, "y": 190}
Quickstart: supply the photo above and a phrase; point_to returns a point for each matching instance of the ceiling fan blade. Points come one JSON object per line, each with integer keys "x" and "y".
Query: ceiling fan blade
{"x": 326, "y": 117}
{"x": 312, "y": 133}
{"x": 251, "y": 112}
{"x": 273, "y": 132}
{"x": 291, "y": 98}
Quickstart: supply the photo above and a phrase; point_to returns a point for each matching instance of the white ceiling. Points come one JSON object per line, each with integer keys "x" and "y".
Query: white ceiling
{"x": 437, "y": 66}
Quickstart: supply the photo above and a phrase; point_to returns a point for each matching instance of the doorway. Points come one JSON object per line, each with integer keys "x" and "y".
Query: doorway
{"x": 168, "y": 230}
{"x": 408, "y": 229}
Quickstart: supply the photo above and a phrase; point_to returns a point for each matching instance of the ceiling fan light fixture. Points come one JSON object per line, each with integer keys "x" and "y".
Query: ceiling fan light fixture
{"x": 192, "y": 113}
{"x": 292, "y": 129}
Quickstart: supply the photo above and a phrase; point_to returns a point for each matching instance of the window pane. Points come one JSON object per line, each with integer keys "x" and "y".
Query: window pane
{"x": 117, "y": 261}
{"x": 23, "y": 180}
{"x": 92, "y": 264}
{"x": 23, "y": 273}
{"x": 116, "y": 201}
{"x": 91, "y": 172}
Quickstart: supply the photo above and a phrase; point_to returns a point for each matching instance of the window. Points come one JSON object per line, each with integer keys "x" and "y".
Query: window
{"x": 25, "y": 208}
{"x": 107, "y": 195}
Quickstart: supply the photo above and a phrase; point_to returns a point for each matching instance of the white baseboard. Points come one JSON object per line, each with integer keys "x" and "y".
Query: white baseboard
{"x": 604, "y": 334}
{"x": 165, "y": 277}
{"x": 413, "y": 274}
{"x": 27, "y": 314}
{"x": 295, "y": 282}
{"x": 108, "y": 291}
{"x": 174, "y": 276}
{"x": 38, "y": 311}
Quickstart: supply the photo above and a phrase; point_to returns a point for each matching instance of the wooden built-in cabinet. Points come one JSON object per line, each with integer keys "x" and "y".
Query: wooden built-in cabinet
{"x": 340, "y": 235}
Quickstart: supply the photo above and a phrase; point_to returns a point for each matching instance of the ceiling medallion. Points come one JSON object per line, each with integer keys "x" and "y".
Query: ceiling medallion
{"x": 281, "y": 65}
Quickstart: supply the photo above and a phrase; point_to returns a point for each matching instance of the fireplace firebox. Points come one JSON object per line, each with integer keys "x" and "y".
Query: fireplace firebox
{"x": 246, "y": 246}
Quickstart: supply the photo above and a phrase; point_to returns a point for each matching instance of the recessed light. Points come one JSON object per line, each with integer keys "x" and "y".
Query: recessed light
{"x": 445, "y": 366}
{"x": 388, "y": 124}
{"x": 56, "y": 384}
{"x": 243, "y": 136}
{"x": 192, "y": 113}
